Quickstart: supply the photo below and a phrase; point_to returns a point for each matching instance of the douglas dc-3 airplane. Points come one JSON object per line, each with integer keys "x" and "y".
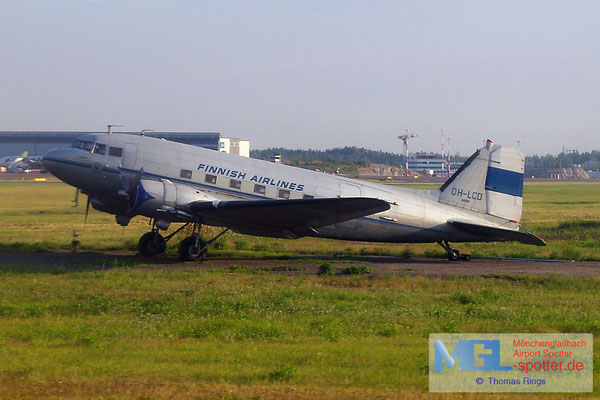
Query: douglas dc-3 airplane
{"x": 129, "y": 175}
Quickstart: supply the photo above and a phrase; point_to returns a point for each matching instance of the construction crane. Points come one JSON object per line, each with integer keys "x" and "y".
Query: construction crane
{"x": 404, "y": 139}
{"x": 448, "y": 159}
{"x": 443, "y": 130}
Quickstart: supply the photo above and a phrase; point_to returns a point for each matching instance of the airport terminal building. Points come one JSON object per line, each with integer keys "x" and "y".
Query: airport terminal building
{"x": 39, "y": 142}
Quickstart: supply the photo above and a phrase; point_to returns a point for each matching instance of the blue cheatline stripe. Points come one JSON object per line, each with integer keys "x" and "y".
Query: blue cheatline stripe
{"x": 503, "y": 181}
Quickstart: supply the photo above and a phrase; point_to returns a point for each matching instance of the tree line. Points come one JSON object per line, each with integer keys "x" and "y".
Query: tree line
{"x": 344, "y": 155}
{"x": 360, "y": 157}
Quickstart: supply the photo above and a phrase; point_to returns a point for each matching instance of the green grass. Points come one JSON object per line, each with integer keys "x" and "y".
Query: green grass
{"x": 363, "y": 333}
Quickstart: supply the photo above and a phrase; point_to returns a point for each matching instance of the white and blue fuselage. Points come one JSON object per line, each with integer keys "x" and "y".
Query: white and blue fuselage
{"x": 103, "y": 165}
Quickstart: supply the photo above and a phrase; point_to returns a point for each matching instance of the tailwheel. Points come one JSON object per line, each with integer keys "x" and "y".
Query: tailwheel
{"x": 453, "y": 254}
{"x": 151, "y": 244}
{"x": 192, "y": 248}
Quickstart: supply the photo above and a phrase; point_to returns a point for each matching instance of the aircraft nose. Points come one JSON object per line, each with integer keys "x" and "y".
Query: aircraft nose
{"x": 56, "y": 161}
{"x": 51, "y": 159}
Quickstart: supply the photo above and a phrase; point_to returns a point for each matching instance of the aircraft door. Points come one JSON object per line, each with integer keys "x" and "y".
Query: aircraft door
{"x": 129, "y": 156}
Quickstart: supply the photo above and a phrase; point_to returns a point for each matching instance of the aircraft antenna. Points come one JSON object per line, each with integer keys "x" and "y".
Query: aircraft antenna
{"x": 110, "y": 126}
{"x": 404, "y": 139}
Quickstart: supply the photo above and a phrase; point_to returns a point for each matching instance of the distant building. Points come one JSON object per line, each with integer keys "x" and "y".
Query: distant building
{"x": 430, "y": 164}
{"x": 39, "y": 142}
{"x": 276, "y": 158}
{"x": 235, "y": 146}
{"x": 426, "y": 163}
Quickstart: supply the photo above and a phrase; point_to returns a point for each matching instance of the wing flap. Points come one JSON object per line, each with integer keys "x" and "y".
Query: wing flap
{"x": 284, "y": 218}
{"x": 498, "y": 234}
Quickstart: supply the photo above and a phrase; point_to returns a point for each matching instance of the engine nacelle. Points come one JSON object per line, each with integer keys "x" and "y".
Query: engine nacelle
{"x": 109, "y": 205}
{"x": 163, "y": 194}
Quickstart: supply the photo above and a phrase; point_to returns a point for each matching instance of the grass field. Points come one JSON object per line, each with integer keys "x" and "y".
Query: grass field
{"x": 136, "y": 332}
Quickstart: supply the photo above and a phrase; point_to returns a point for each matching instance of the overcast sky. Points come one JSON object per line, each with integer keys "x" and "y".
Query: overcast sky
{"x": 303, "y": 74}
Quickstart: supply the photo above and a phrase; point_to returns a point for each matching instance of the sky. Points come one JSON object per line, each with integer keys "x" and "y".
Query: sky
{"x": 309, "y": 74}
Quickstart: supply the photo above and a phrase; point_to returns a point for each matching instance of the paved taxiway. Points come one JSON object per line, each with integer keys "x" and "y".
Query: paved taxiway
{"x": 310, "y": 264}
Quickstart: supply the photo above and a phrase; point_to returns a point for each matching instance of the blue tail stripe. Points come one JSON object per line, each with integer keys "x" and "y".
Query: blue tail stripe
{"x": 503, "y": 181}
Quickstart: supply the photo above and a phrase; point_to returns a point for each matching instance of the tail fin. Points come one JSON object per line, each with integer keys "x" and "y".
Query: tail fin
{"x": 490, "y": 181}
{"x": 25, "y": 153}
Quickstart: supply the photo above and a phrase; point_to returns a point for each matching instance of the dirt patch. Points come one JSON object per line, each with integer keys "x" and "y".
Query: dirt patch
{"x": 309, "y": 264}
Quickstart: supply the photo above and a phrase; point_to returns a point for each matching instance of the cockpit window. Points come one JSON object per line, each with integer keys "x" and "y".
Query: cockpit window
{"x": 83, "y": 144}
{"x": 99, "y": 148}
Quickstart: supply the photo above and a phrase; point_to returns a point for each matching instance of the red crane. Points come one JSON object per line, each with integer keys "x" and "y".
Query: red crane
{"x": 404, "y": 139}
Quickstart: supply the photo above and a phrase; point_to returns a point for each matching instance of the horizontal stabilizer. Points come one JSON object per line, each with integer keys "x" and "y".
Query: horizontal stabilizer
{"x": 498, "y": 234}
{"x": 284, "y": 218}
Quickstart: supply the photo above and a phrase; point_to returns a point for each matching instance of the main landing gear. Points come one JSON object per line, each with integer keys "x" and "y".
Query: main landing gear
{"x": 152, "y": 243}
{"x": 190, "y": 249}
{"x": 193, "y": 248}
{"x": 453, "y": 254}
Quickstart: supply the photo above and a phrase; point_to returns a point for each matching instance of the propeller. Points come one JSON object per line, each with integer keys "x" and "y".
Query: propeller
{"x": 128, "y": 190}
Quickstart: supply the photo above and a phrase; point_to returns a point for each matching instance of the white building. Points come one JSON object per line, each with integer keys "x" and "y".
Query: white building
{"x": 235, "y": 146}
{"x": 427, "y": 163}
{"x": 431, "y": 164}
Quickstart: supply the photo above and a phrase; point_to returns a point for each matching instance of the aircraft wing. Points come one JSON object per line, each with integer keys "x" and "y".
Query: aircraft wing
{"x": 498, "y": 234}
{"x": 284, "y": 218}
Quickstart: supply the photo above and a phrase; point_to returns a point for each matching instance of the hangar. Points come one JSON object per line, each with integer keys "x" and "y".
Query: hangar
{"x": 39, "y": 142}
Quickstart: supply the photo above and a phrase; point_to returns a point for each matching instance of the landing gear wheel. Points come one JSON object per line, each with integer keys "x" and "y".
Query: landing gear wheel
{"x": 454, "y": 255}
{"x": 188, "y": 251}
{"x": 151, "y": 244}
{"x": 466, "y": 257}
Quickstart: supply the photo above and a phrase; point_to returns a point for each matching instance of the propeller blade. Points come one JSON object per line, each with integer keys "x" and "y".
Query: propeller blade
{"x": 125, "y": 183}
{"x": 87, "y": 211}
{"x": 129, "y": 186}
{"x": 138, "y": 177}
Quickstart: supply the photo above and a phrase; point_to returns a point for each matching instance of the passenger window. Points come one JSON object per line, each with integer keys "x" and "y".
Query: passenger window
{"x": 186, "y": 173}
{"x": 308, "y": 196}
{"x": 99, "y": 148}
{"x": 115, "y": 151}
{"x": 210, "y": 179}
{"x": 235, "y": 184}
{"x": 259, "y": 189}
{"x": 283, "y": 194}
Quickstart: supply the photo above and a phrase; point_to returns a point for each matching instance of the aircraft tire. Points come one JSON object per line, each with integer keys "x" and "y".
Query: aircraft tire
{"x": 466, "y": 257}
{"x": 455, "y": 256}
{"x": 189, "y": 252}
{"x": 150, "y": 245}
